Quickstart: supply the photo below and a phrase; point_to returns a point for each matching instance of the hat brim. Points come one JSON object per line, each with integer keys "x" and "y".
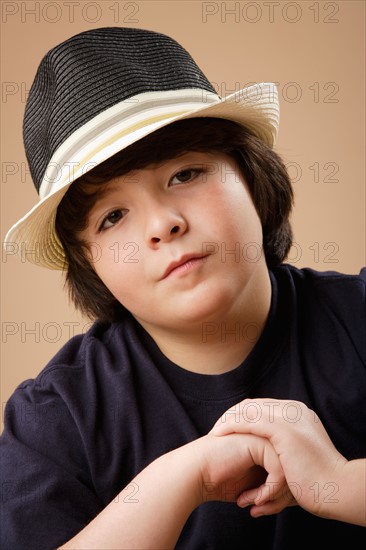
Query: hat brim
{"x": 255, "y": 107}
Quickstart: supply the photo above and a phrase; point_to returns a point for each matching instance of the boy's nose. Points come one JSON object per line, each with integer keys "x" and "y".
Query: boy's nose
{"x": 164, "y": 226}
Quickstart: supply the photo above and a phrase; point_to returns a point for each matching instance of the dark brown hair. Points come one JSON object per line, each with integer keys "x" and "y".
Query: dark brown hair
{"x": 262, "y": 168}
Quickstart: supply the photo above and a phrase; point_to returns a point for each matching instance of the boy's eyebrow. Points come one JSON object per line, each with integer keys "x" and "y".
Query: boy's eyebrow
{"x": 131, "y": 176}
{"x": 104, "y": 193}
{"x": 115, "y": 185}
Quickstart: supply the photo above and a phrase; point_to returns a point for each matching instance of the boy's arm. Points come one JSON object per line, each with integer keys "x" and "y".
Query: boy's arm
{"x": 150, "y": 512}
{"x": 322, "y": 480}
{"x": 170, "y": 488}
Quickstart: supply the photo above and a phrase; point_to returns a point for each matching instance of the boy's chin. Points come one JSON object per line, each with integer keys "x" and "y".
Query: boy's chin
{"x": 191, "y": 315}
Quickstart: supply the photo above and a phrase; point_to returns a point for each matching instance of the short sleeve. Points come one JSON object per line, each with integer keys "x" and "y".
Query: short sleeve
{"x": 47, "y": 494}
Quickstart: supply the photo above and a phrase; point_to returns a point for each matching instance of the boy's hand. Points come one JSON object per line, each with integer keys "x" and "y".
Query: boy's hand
{"x": 237, "y": 463}
{"x": 309, "y": 459}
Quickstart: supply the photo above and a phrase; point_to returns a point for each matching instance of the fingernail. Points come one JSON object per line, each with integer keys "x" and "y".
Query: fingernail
{"x": 243, "y": 503}
{"x": 244, "y": 500}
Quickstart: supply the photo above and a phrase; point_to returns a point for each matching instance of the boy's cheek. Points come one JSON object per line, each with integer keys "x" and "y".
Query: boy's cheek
{"x": 115, "y": 254}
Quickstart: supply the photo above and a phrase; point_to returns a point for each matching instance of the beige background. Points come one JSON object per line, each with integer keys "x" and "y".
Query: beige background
{"x": 314, "y": 50}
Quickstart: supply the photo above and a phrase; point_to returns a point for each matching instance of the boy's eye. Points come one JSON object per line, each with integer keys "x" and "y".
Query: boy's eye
{"x": 186, "y": 175}
{"x": 111, "y": 219}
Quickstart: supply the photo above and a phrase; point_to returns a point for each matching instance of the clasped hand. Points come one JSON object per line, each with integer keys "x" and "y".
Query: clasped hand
{"x": 273, "y": 454}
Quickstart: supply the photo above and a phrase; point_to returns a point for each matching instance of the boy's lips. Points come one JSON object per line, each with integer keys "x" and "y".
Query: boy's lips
{"x": 179, "y": 263}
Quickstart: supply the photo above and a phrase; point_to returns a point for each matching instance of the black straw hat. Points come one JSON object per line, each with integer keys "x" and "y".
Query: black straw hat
{"x": 102, "y": 90}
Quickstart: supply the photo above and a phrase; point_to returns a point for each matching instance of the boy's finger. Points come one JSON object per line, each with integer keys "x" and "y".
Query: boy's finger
{"x": 264, "y": 455}
{"x": 240, "y": 424}
{"x": 269, "y": 508}
{"x": 256, "y": 416}
{"x": 269, "y": 498}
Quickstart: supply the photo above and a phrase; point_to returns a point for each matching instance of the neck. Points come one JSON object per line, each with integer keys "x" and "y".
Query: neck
{"x": 222, "y": 342}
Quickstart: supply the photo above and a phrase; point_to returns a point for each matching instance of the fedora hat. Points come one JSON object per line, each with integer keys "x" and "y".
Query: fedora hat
{"x": 97, "y": 93}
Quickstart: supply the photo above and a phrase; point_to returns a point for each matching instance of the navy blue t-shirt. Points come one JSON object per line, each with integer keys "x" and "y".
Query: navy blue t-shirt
{"x": 110, "y": 402}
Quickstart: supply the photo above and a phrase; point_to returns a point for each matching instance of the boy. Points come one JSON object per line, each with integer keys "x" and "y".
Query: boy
{"x": 169, "y": 210}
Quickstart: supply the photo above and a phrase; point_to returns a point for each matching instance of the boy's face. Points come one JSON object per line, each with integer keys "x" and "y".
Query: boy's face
{"x": 179, "y": 243}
